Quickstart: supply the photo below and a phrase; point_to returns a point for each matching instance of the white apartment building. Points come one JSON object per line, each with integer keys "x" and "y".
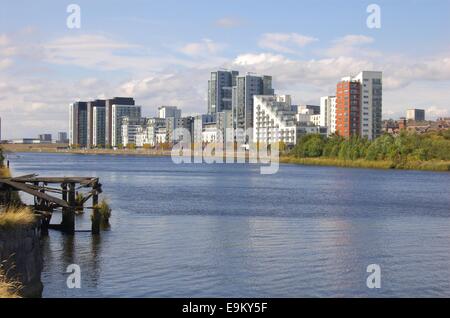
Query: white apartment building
{"x": 98, "y": 126}
{"x": 119, "y": 112}
{"x": 328, "y": 113}
{"x": 130, "y": 129}
{"x": 274, "y": 120}
{"x": 146, "y": 133}
{"x": 371, "y": 102}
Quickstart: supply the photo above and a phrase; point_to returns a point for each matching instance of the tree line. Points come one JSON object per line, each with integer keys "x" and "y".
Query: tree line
{"x": 404, "y": 148}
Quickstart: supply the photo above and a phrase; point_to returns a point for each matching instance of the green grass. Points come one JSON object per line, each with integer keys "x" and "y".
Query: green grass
{"x": 362, "y": 163}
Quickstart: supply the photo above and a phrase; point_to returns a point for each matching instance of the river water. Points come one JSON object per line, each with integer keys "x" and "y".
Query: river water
{"x": 197, "y": 230}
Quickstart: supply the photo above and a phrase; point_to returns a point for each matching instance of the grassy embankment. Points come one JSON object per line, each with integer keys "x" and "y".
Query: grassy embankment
{"x": 410, "y": 151}
{"x": 13, "y": 218}
{"x": 362, "y": 163}
{"x": 10, "y": 218}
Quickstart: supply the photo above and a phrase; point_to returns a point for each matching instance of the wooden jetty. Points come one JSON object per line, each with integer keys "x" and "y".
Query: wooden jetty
{"x": 46, "y": 190}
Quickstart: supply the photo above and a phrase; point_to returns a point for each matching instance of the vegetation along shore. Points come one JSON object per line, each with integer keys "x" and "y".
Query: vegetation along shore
{"x": 408, "y": 150}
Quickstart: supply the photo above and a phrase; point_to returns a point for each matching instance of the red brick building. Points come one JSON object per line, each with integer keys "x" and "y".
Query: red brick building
{"x": 348, "y": 108}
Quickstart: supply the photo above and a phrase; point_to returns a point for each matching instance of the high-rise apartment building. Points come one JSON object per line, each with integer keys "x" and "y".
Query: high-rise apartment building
{"x": 246, "y": 87}
{"x": 126, "y": 101}
{"x": 371, "y": 103}
{"x": 348, "y": 106}
{"x": 220, "y": 90}
{"x": 328, "y": 113}
{"x": 93, "y": 125}
{"x": 369, "y": 108}
{"x": 78, "y": 124}
{"x": 118, "y": 113}
{"x": 99, "y": 126}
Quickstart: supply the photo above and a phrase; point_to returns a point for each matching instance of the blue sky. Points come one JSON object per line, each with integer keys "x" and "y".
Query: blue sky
{"x": 161, "y": 52}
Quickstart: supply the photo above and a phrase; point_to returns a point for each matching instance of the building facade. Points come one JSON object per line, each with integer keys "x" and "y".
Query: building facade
{"x": 415, "y": 114}
{"x": 99, "y": 126}
{"x": 90, "y": 113}
{"x": 118, "y": 113}
{"x": 246, "y": 87}
{"x": 220, "y": 90}
{"x": 62, "y": 138}
{"x": 45, "y": 138}
{"x": 224, "y": 125}
{"x": 169, "y": 111}
{"x": 78, "y": 124}
{"x": 200, "y": 122}
{"x": 146, "y": 134}
{"x": 348, "y": 106}
{"x": 274, "y": 120}
{"x": 131, "y": 127}
{"x": 371, "y": 101}
{"x": 127, "y": 101}
{"x": 328, "y": 113}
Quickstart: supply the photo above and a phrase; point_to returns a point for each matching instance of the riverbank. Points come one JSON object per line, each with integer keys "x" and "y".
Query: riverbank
{"x": 20, "y": 254}
{"x": 432, "y": 165}
{"x": 56, "y": 148}
{"x": 362, "y": 163}
{"x": 21, "y": 261}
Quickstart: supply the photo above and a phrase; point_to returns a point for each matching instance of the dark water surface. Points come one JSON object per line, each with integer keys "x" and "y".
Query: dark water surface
{"x": 225, "y": 230}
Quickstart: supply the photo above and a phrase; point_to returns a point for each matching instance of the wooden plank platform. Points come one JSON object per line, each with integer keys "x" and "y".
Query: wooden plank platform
{"x": 23, "y": 187}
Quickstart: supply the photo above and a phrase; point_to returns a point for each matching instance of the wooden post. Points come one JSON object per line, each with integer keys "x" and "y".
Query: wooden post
{"x": 96, "y": 217}
{"x": 64, "y": 191}
{"x": 68, "y": 215}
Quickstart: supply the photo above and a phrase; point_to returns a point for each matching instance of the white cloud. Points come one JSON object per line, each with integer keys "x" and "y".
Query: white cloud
{"x": 228, "y": 22}
{"x": 352, "y": 45}
{"x": 285, "y": 42}
{"x": 204, "y": 48}
{"x": 257, "y": 59}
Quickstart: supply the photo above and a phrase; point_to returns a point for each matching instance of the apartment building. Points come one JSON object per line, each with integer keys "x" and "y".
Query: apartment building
{"x": 328, "y": 113}
{"x": 118, "y": 113}
{"x": 348, "y": 107}
{"x": 274, "y": 120}
{"x": 220, "y": 90}
{"x": 78, "y": 122}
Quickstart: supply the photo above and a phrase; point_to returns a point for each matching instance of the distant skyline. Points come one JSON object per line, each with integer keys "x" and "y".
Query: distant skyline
{"x": 162, "y": 53}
